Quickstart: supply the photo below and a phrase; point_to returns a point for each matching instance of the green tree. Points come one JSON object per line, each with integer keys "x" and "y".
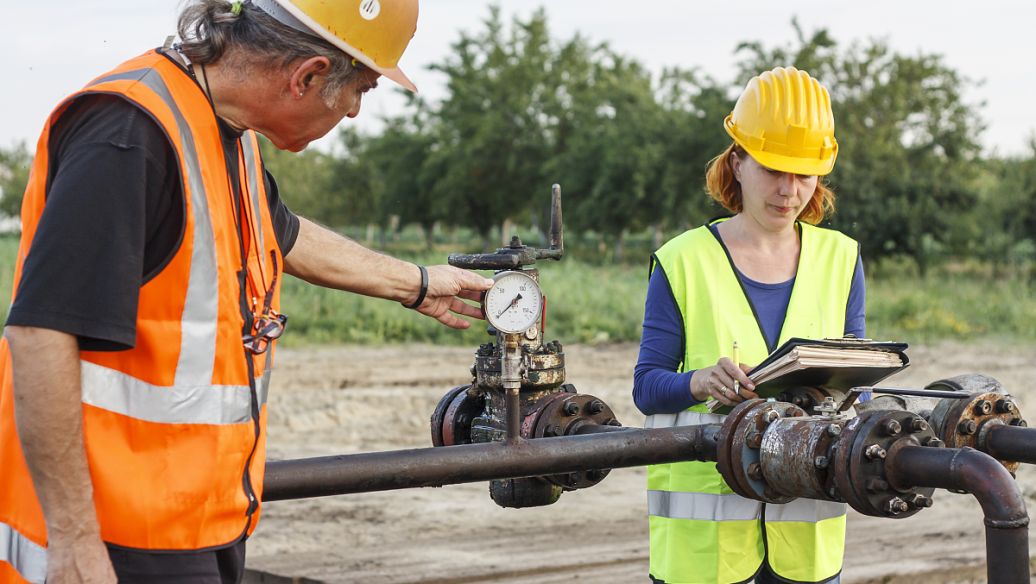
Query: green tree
{"x": 305, "y": 182}
{"x": 491, "y": 143}
{"x": 403, "y": 177}
{"x": 14, "y": 176}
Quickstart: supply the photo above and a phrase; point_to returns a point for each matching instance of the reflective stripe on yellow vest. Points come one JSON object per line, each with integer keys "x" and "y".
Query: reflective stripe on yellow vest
{"x": 174, "y": 428}
{"x": 701, "y": 532}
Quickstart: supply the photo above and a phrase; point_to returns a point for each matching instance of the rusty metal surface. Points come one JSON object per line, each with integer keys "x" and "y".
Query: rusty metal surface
{"x": 961, "y": 423}
{"x": 564, "y": 414}
{"x": 863, "y": 461}
{"x": 740, "y": 447}
{"x": 469, "y": 463}
{"x": 1015, "y": 443}
{"x": 796, "y": 455}
{"x": 1001, "y": 499}
{"x": 451, "y": 421}
{"x": 543, "y": 368}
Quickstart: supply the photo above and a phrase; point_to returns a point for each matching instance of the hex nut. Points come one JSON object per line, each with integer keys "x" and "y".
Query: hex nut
{"x": 892, "y": 428}
{"x": 821, "y": 462}
{"x": 875, "y": 451}
{"x": 918, "y": 425}
{"x": 755, "y": 471}
{"x": 934, "y": 442}
{"x": 895, "y": 506}
{"x": 571, "y": 408}
{"x": 967, "y": 427}
{"x": 834, "y": 430}
{"x": 983, "y": 407}
{"x": 754, "y": 440}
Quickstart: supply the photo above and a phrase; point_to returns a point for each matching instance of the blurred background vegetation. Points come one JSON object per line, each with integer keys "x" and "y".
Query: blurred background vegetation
{"x": 948, "y": 232}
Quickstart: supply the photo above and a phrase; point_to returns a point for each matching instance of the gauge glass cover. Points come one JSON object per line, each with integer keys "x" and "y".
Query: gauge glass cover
{"x": 514, "y": 302}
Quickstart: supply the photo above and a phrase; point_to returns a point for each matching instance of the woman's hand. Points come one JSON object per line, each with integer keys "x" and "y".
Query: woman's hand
{"x": 717, "y": 382}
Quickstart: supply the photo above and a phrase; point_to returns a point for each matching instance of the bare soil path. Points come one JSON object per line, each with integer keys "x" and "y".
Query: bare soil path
{"x": 356, "y": 399}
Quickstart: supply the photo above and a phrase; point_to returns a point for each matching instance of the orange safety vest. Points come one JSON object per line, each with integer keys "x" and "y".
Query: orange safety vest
{"x": 174, "y": 428}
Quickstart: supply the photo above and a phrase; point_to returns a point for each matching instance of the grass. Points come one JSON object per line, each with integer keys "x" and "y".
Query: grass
{"x": 600, "y": 303}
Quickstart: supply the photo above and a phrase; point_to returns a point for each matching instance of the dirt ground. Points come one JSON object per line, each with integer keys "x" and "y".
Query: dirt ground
{"x": 355, "y": 399}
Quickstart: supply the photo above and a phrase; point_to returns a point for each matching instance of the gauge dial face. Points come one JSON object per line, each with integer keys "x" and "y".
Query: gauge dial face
{"x": 514, "y": 302}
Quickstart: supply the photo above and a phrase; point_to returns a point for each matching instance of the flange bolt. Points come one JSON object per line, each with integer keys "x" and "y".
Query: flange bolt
{"x": 596, "y": 406}
{"x": 571, "y": 408}
{"x": 918, "y": 425}
{"x": 967, "y": 427}
{"x": 1005, "y": 406}
{"x": 754, "y": 440}
{"x": 755, "y": 471}
{"x": 892, "y": 428}
{"x": 875, "y": 451}
{"x": 834, "y": 429}
{"x": 895, "y": 506}
{"x": 771, "y": 416}
{"x": 1020, "y": 423}
{"x": 934, "y": 443}
{"x": 821, "y": 462}
{"x": 919, "y": 501}
{"x": 983, "y": 407}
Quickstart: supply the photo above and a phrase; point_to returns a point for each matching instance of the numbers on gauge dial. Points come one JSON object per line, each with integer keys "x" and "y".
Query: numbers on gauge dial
{"x": 514, "y": 302}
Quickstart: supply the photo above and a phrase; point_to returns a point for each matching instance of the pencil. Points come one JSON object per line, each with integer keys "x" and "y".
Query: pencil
{"x": 737, "y": 363}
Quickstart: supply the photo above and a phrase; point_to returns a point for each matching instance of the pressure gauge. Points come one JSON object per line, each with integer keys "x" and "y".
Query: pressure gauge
{"x": 514, "y": 302}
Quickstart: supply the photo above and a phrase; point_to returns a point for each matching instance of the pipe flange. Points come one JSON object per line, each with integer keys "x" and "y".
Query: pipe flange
{"x": 451, "y": 420}
{"x": 963, "y": 423}
{"x": 562, "y": 414}
{"x": 739, "y": 447}
{"x": 860, "y": 473}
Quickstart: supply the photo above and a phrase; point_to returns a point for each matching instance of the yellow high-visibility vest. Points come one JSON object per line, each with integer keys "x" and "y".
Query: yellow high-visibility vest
{"x": 701, "y": 532}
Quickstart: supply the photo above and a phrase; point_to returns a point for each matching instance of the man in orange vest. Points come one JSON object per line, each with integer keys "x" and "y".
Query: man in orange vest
{"x": 135, "y": 363}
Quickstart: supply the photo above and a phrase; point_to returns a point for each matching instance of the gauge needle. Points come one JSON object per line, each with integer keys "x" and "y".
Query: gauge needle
{"x": 510, "y": 306}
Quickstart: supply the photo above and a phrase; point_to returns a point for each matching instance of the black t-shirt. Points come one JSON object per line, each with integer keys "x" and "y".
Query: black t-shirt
{"x": 114, "y": 218}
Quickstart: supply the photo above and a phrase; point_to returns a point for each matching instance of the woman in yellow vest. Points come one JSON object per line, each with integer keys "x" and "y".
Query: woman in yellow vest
{"x": 757, "y": 278}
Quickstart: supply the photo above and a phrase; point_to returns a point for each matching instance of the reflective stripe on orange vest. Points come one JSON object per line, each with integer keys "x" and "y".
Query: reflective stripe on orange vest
{"x": 25, "y": 556}
{"x": 117, "y": 392}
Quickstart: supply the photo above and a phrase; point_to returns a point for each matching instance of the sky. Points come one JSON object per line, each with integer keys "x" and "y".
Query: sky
{"x": 53, "y": 47}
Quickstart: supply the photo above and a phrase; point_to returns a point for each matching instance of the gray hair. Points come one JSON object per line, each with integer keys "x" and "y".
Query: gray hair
{"x": 210, "y": 28}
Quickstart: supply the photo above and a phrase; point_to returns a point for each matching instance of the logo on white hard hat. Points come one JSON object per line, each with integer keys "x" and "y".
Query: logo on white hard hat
{"x": 370, "y": 9}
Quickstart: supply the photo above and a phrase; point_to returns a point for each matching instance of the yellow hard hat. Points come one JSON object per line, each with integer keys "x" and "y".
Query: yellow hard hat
{"x": 374, "y": 32}
{"x": 783, "y": 119}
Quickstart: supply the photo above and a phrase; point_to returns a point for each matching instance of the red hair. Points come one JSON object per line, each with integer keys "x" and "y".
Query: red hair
{"x": 722, "y": 186}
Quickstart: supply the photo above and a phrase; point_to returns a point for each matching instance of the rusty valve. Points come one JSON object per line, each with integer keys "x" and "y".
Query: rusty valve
{"x": 773, "y": 452}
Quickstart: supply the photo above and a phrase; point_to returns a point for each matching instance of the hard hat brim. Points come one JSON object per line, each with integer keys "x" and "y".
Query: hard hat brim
{"x": 782, "y": 163}
{"x": 393, "y": 73}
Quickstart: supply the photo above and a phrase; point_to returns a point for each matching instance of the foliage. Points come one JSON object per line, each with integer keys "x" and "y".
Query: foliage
{"x": 14, "y": 175}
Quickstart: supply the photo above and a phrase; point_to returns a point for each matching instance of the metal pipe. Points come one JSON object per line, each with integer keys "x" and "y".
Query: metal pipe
{"x": 1013, "y": 443}
{"x": 966, "y": 469}
{"x": 470, "y": 463}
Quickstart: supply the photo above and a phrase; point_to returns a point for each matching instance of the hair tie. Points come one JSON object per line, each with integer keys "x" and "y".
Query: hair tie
{"x": 235, "y": 7}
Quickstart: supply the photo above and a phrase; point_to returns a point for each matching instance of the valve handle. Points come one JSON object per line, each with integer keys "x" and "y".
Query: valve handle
{"x": 517, "y": 254}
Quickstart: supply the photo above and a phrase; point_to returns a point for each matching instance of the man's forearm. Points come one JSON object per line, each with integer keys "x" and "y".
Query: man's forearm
{"x": 49, "y": 416}
{"x": 327, "y": 259}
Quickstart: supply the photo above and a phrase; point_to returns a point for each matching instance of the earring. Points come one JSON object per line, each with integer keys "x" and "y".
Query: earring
{"x": 300, "y": 94}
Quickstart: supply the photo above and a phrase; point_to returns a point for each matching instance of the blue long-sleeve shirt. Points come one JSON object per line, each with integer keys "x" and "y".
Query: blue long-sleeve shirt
{"x": 658, "y": 388}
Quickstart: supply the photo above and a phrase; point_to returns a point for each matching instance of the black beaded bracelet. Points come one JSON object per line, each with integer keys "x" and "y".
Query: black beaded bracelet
{"x": 424, "y": 288}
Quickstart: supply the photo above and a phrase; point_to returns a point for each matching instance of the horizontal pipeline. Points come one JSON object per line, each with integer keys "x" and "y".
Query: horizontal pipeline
{"x": 471, "y": 463}
{"x": 1013, "y": 443}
